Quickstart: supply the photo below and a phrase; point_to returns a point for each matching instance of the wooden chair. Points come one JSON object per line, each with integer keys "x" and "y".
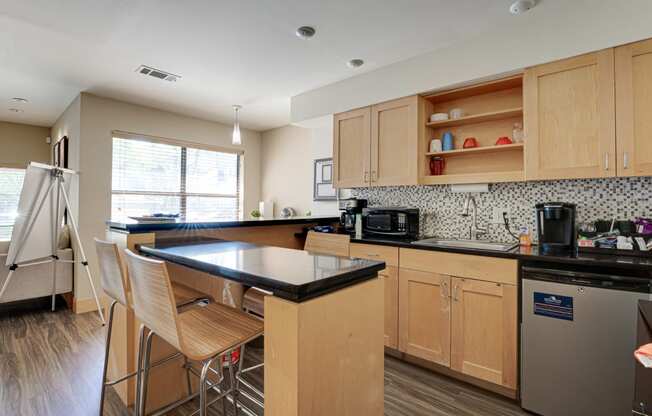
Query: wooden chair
{"x": 113, "y": 274}
{"x": 200, "y": 334}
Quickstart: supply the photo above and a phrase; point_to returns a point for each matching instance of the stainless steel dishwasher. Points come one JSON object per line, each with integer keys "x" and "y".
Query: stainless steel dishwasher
{"x": 578, "y": 335}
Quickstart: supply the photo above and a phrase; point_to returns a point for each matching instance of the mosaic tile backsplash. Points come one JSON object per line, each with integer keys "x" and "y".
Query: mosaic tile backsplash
{"x": 623, "y": 198}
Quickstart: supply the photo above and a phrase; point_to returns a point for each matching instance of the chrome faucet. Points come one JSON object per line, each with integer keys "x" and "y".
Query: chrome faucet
{"x": 474, "y": 231}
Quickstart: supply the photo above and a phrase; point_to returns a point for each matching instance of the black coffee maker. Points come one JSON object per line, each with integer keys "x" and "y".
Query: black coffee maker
{"x": 350, "y": 209}
{"x": 556, "y": 227}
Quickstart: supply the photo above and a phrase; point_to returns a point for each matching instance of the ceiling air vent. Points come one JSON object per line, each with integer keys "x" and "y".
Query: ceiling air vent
{"x": 157, "y": 73}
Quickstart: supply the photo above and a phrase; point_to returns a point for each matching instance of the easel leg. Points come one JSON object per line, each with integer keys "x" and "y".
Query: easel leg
{"x": 55, "y": 245}
{"x": 54, "y": 283}
{"x": 73, "y": 225}
{"x": 6, "y": 283}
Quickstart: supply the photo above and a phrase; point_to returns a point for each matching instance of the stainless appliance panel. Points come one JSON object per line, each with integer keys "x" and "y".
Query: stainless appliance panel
{"x": 584, "y": 366}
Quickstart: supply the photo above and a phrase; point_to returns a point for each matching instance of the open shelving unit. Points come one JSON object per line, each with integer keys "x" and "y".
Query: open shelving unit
{"x": 492, "y": 108}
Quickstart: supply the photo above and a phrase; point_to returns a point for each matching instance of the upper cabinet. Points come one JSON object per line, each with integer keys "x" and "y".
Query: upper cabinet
{"x": 633, "y": 107}
{"x": 583, "y": 117}
{"x": 490, "y": 111}
{"x": 377, "y": 145}
{"x": 351, "y": 148}
{"x": 394, "y": 140}
{"x": 569, "y": 111}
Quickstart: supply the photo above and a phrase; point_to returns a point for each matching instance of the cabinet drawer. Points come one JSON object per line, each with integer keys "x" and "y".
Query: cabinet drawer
{"x": 462, "y": 265}
{"x": 375, "y": 252}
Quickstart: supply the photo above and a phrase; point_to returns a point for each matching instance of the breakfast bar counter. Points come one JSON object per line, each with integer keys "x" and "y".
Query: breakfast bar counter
{"x": 324, "y": 321}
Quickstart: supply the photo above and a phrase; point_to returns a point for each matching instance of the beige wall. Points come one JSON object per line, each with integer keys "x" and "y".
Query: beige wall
{"x": 98, "y": 118}
{"x": 22, "y": 143}
{"x": 288, "y": 164}
{"x": 287, "y": 168}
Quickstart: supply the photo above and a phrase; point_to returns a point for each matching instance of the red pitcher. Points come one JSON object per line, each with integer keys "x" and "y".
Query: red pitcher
{"x": 437, "y": 165}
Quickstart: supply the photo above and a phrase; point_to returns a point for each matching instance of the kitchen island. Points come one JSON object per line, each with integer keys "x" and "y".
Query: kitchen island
{"x": 323, "y": 321}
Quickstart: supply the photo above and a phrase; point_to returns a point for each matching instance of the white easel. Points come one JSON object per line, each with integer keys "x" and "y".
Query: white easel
{"x": 46, "y": 179}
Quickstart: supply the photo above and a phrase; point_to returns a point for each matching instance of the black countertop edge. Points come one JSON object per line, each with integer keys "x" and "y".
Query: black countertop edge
{"x": 533, "y": 253}
{"x": 294, "y": 293}
{"x": 135, "y": 227}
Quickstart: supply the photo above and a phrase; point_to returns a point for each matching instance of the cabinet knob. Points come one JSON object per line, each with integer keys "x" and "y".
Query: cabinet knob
{"x": 366, "y": 176}
{"x": 625, "y": 160}
{"x": 374, "y": 177}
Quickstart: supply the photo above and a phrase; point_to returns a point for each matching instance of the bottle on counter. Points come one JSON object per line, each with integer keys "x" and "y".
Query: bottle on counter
{"x": 525, "y": 240}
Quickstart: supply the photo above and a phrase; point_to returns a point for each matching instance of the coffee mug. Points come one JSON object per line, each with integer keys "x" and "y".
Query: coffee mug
{"x": 435, "y": 146}
{"x": 470, "y": 142}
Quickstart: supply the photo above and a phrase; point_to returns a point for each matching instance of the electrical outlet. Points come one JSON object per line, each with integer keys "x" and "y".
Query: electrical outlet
{"x": 497, "y": 215}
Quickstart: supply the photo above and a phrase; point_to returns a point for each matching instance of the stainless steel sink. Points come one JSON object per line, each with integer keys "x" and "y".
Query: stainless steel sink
{"x": 471, "y": 244}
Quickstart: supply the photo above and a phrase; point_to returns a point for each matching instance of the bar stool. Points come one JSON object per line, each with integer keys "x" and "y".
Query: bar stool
{"x": 203, "y": 334}
{"x": 113, "y": 273}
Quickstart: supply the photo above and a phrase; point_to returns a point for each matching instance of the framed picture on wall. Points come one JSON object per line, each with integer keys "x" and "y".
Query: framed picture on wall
{"x": 323, "y": 189}
{"x": 60, "y": 152}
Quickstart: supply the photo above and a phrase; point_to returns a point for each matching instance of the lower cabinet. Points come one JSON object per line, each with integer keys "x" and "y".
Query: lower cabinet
{"x": 483, "y": 330}
{"x": 391, "y": 276}
{"x": 465, "y": 323}
{"x": 425, "y": 314}
{"x": 391, "y": 306}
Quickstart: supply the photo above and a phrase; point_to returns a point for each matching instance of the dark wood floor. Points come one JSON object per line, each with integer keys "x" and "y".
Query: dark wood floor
{"x": 50, "y": 364}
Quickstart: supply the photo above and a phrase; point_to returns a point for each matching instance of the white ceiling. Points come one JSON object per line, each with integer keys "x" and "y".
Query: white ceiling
{"x": 227, "y": 52}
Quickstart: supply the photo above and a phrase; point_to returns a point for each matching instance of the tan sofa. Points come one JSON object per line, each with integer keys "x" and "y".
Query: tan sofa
{"x": 35, "y": 281}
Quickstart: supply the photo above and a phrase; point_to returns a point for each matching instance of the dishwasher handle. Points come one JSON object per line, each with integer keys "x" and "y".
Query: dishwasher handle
{"x": 583, "y": 278}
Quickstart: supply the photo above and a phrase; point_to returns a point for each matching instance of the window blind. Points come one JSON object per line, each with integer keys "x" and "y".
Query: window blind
{"x": 11, "y": 183}
{"x": 152, "y": 177}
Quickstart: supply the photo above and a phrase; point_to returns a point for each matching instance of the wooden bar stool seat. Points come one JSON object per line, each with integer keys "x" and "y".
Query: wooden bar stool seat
{"x": 254, "y": 301}
{"x": 185, "y": 295}
{"x": 214, "y": 329}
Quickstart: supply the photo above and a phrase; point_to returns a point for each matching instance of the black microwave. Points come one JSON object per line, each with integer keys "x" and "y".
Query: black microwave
{"x": 391, "y": 222}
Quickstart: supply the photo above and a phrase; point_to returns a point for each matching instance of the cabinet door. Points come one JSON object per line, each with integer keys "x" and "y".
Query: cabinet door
{"x": 391, "y": 306}
{"x": 570, "y": 118}
{"x": 390, "y": 256}
{"x": 424, "y": 315}
{"x": 483, "y": 340}
{"x": 394, "y": 138}
{"x": 633, "y": 108}
{"x": 351, "y": 148}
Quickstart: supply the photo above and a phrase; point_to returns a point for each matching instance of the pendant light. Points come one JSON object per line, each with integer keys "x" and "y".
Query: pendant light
{"x": 237, "y": 139}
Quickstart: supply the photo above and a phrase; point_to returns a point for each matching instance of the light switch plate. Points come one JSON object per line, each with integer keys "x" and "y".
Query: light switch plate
{"x": 497, "y": 215}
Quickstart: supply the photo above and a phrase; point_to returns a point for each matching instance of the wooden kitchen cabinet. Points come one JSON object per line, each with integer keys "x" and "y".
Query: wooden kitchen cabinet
{"x": 394, "y": 138}
{"x": 377, "y": 145}
{"x": 569, "y": 108}
{"x": 425, "y": 315}
{"x": 483, "y": 330}
{"x": 390, "y": 274}
{"x": 633, "y": 107}
{"x": 352, "y": 148}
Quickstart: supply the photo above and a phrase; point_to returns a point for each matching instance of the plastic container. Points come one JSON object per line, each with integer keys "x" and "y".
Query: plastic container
{"x": 524, "y": 238}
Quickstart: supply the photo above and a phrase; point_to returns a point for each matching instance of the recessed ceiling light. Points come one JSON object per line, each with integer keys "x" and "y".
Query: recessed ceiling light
{"x": 15, "y": 110}
{"x": 20, "y": 100}
{"x": 355, "y": 63}
{"x": 306, "y": 32}
{"x": 521, "y": 6}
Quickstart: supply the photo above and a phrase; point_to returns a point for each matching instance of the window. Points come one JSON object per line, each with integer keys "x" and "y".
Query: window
{"x": 151, "y": 177}
{"x": 11, "y": 183}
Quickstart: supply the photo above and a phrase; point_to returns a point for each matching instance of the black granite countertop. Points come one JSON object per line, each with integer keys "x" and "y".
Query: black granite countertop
{"x": 295, "y": 275}
{"x": 530, "y": 254}
{"x": 132, "y": 226}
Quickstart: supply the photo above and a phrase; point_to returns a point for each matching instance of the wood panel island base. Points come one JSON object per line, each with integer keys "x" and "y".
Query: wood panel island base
{"x": 325, "y": 356}
{"x": 324, "y": 351}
